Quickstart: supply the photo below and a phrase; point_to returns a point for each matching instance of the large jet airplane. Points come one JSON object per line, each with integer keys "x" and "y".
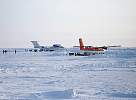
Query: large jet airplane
{"x": 54, "y": 47}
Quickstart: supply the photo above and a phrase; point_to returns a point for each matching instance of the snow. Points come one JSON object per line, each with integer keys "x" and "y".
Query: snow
{"x": 55, "y": 76}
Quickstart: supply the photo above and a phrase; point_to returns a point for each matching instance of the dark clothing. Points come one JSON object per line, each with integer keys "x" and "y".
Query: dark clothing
{"x": 3, "y": 51}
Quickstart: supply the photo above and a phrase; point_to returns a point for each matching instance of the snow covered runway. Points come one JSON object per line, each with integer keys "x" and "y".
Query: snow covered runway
{"x": 46, "y": 76}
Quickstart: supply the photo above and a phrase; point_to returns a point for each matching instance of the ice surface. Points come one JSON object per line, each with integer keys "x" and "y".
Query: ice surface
{"x": 56, "y": 76}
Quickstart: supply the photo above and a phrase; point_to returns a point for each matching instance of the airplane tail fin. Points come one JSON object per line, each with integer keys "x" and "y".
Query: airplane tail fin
{"x": 81, "y": 44}
{"x": 36, "y": 44}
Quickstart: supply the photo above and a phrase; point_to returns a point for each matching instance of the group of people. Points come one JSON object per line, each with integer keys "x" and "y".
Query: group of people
{"x": 5, "y": 51}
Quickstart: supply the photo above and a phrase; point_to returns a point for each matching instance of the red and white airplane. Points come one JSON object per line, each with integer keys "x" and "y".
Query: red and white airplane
{"x": 90, "y": 49}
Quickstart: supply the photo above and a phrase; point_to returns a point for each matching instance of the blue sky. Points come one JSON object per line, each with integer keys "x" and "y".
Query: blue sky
{"x": 98, "y": 22}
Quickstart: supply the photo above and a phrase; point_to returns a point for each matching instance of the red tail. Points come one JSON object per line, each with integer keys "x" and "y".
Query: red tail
{"x": 81, "y": 44}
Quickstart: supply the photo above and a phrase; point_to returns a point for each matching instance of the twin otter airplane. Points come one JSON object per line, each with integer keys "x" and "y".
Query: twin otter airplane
{"x": 90, "y": 48}
{"x": 46, "y": 48}
{"x": 87, "y": 50}
{"x": 83, "y": 50}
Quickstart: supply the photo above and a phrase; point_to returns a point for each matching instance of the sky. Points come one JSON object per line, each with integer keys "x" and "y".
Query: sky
{"x": 98, "y": 22}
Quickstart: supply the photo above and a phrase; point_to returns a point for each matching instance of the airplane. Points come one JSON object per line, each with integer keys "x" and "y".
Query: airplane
{"x": 82, "y": 50}
{"x": 90, "y": 49}
{"x": 54, "y": 47}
